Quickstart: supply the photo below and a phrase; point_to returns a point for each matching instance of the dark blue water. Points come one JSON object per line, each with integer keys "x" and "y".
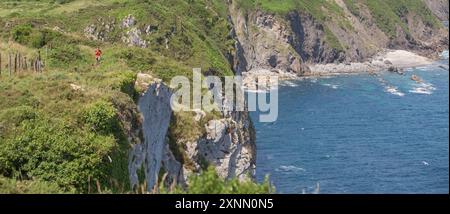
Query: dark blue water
{"x": 359, "y": 134}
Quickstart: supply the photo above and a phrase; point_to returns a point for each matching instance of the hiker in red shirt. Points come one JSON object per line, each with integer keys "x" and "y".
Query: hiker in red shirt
{"x": 98, "y": 55}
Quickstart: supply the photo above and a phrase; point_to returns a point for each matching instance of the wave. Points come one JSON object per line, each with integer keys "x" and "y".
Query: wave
{"x": 444, "y": 55}
{"x": 289, "y": 168}
{"x": 420, "y": 91}
{"x": 331, "y": 86}
{"x": 423, "y": 88}
{"x": 394, "y": 90}
{"x": 313, "y": 80}
{"x": 288, "y": 83}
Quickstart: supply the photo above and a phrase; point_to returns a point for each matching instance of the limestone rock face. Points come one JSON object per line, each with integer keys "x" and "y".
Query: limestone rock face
{"x": 228, "y": 143}
{"x": 100, "y": 30}
{"x": 133, "y": 38}
{"x": 128, "y": 21}
{"x": 132, "y": 35}
{"x": 264, "y": 42}
{"x": 154, "y": 106}
{"x": 229, "y": 146}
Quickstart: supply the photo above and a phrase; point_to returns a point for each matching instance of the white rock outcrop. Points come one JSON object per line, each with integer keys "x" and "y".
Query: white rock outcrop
{"x": 154, "y": 106}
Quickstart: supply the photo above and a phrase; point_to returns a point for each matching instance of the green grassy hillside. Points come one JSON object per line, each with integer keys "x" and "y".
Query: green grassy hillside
{"x": 67, "y": 125}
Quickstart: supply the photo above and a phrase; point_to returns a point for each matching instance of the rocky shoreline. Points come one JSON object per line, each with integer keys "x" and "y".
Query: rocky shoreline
{"x": 388, "y": 60}
{"x": 391, "y": 60}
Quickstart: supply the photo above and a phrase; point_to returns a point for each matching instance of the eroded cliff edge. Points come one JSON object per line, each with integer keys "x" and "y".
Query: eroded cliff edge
{"x": 226, "y": 142}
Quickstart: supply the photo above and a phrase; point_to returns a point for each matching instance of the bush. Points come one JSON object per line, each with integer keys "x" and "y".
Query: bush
{"x": 63, "y": 55}
{"x": 123, "y": 81}
{"x": 101, "y": 117}
{"x": 210, "y": 183}
{"x": 21, "y": 33}
{"x": 26, "y": 35}
{"x": 15, "y": 116}
{"x": 51, "y": 150}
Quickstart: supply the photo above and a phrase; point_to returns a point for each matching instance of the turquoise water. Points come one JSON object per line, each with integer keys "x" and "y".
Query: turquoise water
{"x": 359, "y": 134}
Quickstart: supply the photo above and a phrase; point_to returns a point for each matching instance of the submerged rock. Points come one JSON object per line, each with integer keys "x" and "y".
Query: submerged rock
{"x": 416, "y": 78}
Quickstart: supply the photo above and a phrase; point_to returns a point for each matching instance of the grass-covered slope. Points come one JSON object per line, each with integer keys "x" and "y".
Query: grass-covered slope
{"x": 68, "y": 125}
{"x": 392, "y": 14}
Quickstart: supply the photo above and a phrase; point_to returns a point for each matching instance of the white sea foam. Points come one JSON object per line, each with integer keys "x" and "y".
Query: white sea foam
{"x": 290, "y": 168}
{"x": 421, "y": 91}
{"x": 288, "y": 83}
{"x": 423, "y": 88}
{"x": 331, "y": 86}
{"x": 423, "y": 68}
{"x": 394, "y": 90}
{"x": 444, "y": 54}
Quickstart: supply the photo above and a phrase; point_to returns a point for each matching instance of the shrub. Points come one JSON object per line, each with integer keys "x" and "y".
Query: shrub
{"x": 25, "y": 34}
{"x": 63, "y": 55}
{"x": 15, "y": 116}
{"x": 101, "y": 117}
{"x": 209, "y": 182}
{"x": 123, "y": 81}
{"x": 21, "y": 33}
{"x": 51, "y": 150}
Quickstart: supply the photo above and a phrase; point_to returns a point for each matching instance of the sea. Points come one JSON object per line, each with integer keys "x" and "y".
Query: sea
{"x": 359, "y": 133}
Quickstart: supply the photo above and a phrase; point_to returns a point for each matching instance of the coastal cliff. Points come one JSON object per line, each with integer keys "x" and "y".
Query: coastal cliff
{"x": 227, "y": 143}
{"x": 95, "y": 127}
{"x": 291, "y": 36}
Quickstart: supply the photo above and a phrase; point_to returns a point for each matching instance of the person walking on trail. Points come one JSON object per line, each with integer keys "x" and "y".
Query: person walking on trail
{"x": 98, "y": 55}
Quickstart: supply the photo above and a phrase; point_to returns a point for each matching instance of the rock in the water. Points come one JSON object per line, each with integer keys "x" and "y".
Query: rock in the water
{"x": 393, "y": 69}
{"x": 416, "y": 78}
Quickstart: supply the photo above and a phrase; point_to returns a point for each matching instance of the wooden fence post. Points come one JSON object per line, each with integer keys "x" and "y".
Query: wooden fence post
{"x": 9, "y": 63}
{"x": 39, "y": 60}
{"x": 18, "y": 63}
{"x": 25, "y": 63}
{"x": 15, "y": 63}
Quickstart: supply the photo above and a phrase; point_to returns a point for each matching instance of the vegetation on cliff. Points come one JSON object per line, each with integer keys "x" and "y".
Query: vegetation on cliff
{"x": 66, "y": 128}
